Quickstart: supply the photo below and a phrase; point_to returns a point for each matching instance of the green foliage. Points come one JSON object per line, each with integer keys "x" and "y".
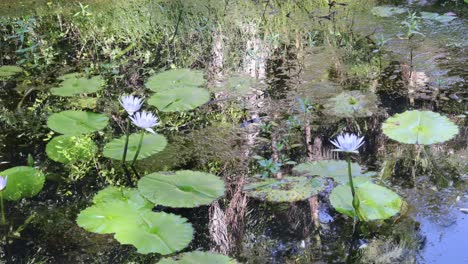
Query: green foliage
{"x": 70, "y": 149}
{"x": 176, "y": 78}
{"x": 335, "y": 169}
{"x": 352, "y": 104}
{"x": 238, "y": 85}
{"x": 376, "y": 202}
{"x": 268, "y": 167}
{"x": 74, "y": 84}
{"x": 287, "y": 189}
{"x": 388, "y": 11}
{"x": 419, "y": 127}
{"x": 152, "y": 144}
{"x": 128, "y": 215}
{"x": 437, "y": 17}
{"x": 73, "y": 122}
{"x": 198, "y": 257}
{"x": 181, "y": 188}
{"x": 23, "y": 182}
{"x": 7, "y": 71}
{"x": 179, "y": 99}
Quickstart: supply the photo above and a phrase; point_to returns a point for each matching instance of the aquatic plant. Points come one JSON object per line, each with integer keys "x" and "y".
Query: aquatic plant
{"x": 334, "y": 169}
{"x": 146, "y": 121}
{"x": 419, "y": 127}
{"x": 131, "y": 104}
{"x": 3, "y": 183}
{"x": 181, "y": 188}
{"x": 268, "y": 166}
{"x": 287, "y": 189}
{"x": 126, "y": 214}
{"x": 7, "y": 71}
{"x": 412, "y": 26}
{"x": 74, "y": 84}
{"x": 194, "y": 257}
{"x": 352, "y": 104}
{"x": 71, "y": 122}
{"x": 151, "y": 144}
{"x": 437, "y": 17}
{"x": 388, "y": 11}
{"x": 23, "y": 182}
{"x": 177, "y": 90}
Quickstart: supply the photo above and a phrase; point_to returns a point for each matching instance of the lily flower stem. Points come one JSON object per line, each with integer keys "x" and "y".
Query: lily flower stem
{"x": 139, "y": 147}
{"x": 3, "y": 209}
{"x": 126, "y": 143}
{"x": 351, "y": 184}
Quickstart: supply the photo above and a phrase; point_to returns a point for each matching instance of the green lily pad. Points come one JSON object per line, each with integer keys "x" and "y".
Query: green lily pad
{"x": 388, "y": 11}
{"x": 72, "y": 122}
{"x": 197, "y": 257}
{"x": 70, "y": 149}
{"x": 179, "y": 99}
{"x": 174, "y": 79}
{"x": 376, "y": 202}
{"x": 352, "y": 104}
{"x": 288, "y": 189}
{"x": 74, "y": 84}
{"x": 7, "y": 71}
{"x": 239, "y": 85}
{"x": 23, "y": 182}
{"x": 437, "y": 17}
{"x": 127, "y": 214}
{"x": 152, "y": 144}
{"x": 182, "y": 188}
{"x": 335, "y": 169}
{"x": 419, "y": 127}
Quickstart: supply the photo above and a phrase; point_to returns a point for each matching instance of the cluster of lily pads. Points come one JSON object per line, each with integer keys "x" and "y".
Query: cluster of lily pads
{"x": 355, "y": 194}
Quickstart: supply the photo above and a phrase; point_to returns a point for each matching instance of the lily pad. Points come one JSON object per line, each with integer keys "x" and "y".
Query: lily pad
{"x": 437, "y": 17}
{"x": 75, "y": 84}
{"x": 419, "y": 127}
{"x": 352, "y": 104}
{"x": 239, "y": 85}
{"x": 175, "y": 79}
{"x": 388, "y": 11}
{"x": 152, "y": 144}
{"x": 72, "y": 122}
{"x": 196, "y": 257}
{"x": 7, "y": 71}
{"x": 70, "y": 149}
{"x": 376, "y": 202}
{"x": 23, "y": 182}
{"x": 127, "y": 214}
{"x": 181, "y": 189}
{"x": 288, "y": 189}
{"x": 335, "y": 169}
{"x": 179, "y": 99}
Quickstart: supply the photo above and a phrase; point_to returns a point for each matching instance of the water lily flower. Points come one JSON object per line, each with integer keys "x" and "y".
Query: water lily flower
{"x": 348, "y": 143}
{"x": 131, "y": 103}
{"x": 3, "y": 183}
{"x": 145, "y": 120}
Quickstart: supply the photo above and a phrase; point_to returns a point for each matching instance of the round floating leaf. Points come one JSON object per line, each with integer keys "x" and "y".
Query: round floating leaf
{"x": 23, "y": 182}
{"x": 238, "y": 85}
{"x": 181, "y": 189}
{"x": 74, "y": 84}
{"x": 419, "y": 127}
{"x": 196, "y": 257}
{"x": 159, "y": 232}
{"x": 7, "y": 71}
{"x": 352, "y": 104}
{"x": 127, "y": 214}
{"x": 388, "y": 11}
{"x": 376, "y": 202}
{"x": 70, "y": 149}
{"x": 179, "y": 99}
{"x": 175, "y": 78}
{"x": 152, "y": 144}
{"x": 72, "y": 122}
{"x": 288, "y": 189}
{"x": 436, "y": 17}
{"x": 335, "y": 169}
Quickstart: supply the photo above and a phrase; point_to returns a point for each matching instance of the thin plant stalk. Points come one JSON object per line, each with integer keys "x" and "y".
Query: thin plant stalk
{"x": 139, "y": 147}
{"x": 126, "y": 143}
{"x": 351, "y": 184}
{"x": 3, "y": 209}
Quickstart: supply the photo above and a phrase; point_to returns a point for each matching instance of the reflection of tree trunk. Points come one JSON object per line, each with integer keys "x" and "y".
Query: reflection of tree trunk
{"x": 275, "y": 155}
{"x": 218, "y": 229}
{"x": 314, "y": 152}
{"x": 308, "y": 139}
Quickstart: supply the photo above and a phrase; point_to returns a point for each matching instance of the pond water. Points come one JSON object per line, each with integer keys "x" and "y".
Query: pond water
{"x": 337, "y": 51}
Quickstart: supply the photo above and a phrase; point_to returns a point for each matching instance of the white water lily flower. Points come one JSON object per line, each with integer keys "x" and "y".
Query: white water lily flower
{"x": 3, "y": 183}
{"x": 131, "y": 103}
{"x": 145, "y": 120}
{"x": 348, "y": 143}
